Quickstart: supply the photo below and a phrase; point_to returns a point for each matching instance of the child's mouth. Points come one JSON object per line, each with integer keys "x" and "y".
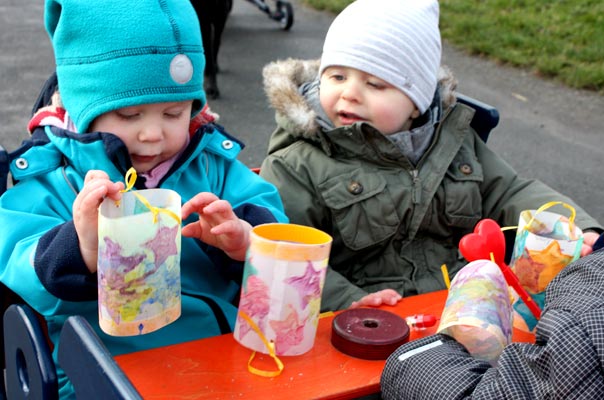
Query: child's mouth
{"x": 349, "y": 118}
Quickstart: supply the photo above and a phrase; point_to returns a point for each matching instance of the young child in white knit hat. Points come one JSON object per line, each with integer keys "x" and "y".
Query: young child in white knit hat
{"x": 372, "y": 148}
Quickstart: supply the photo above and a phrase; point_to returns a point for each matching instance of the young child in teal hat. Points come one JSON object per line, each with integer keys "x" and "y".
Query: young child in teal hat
{"x": 128, "y": 93}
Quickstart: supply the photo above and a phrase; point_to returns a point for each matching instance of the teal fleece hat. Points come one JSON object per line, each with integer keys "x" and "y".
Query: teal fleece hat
{"x": 112, "y": 54}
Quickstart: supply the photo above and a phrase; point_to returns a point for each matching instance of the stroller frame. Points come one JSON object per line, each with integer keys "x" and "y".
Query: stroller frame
{"x": 283, "y": 12}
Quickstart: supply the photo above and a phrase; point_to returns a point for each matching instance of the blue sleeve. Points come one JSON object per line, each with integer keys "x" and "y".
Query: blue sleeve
{"x": 254, "y": 214}
{"x": 599, "y": 243}
{"x": 60, "y": 267}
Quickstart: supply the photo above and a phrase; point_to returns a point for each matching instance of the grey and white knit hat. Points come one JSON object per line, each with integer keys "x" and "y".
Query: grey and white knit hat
{"x": 396, "y": 40}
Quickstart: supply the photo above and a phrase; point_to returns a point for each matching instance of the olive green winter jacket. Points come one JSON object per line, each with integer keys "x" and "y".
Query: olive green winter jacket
{"x": 393, "y": 224}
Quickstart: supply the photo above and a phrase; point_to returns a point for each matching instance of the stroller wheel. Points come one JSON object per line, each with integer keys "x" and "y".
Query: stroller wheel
{"x": 285, "y": 14}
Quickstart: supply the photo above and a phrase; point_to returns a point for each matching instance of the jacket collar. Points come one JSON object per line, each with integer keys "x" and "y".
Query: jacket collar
{"x": 288, "y": 83}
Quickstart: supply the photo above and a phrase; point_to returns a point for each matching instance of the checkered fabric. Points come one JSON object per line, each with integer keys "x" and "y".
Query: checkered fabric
{"x": 566, "y": 361}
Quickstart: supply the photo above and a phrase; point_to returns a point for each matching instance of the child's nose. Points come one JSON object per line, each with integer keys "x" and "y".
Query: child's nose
{"x": 350, "y": 92}
{"x": 150, "y": 133}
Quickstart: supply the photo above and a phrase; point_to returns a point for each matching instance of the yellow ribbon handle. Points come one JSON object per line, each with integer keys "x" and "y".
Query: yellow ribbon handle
{"x": 130, "y": 179}
{"x": 271, "y": 351}
{"x": 270, "y": 346}
{"x": 571, "y": 219}
{"x": 446, "y": 279}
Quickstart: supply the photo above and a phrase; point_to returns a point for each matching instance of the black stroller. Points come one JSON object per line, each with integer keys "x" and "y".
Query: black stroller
{"x": 283, "y": 12}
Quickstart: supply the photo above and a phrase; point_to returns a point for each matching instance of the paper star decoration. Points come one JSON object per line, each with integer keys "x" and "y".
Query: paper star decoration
{"x": 255, "y": 303}
{"x": 552, "y": 259}
{"x": 163, "y": 245}
{"x": 307, "y": 285}
{"x": 111, "y": 255}
{"x": 289, "y": 332}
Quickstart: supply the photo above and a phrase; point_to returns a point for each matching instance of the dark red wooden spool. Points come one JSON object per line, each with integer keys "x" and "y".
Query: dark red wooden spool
{"x": 368, "y": 333}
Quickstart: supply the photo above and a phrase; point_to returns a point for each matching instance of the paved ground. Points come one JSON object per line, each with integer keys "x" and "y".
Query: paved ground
{"x": 547, "y": 131}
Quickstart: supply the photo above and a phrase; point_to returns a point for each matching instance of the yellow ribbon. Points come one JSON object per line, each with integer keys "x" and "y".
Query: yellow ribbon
{"x": 445, "y": 272}
{"x": 571, "y": 219}
{"x": 130, "y": 179}
{"x": 270, "y": 346}
{"x": 271, "y": 351}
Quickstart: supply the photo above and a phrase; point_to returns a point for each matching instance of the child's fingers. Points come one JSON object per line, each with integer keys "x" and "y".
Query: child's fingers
{"x": 226, "y": 228}
{"x": 193, "y": 230}
{"x": 97, "y": 178}
{"x": 91, "y": 196}
{"x": 589, "y": 238}
{"x": 387, "y": 296}
{"x": 197, "y": 204}
{"x": 218, "y": 207}
{"x": 355, "y": 304}
{"x": 219, "y": 211}
{"x": 369, "y": 300}
{"x": 391, "y": 295}
{"x": 586, "y": 250}
{"x": 95, "y": 174}
{"x": 114, "y": 190}
{"x": 391, "y": 301}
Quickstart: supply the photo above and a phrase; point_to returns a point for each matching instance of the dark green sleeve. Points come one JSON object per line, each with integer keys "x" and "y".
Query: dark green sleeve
{"x": 506, "y": 194}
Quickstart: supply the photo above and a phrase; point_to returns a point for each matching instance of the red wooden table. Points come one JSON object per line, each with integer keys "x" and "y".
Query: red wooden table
{"x": 216, "y": 368}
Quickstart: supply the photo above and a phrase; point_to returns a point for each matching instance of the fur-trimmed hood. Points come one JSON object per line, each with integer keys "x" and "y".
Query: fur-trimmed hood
{"x": 283, "y": 78}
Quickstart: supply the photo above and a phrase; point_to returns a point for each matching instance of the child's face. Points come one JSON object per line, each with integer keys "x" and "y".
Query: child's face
{"x": 349, "y": 95}
{"x": 153, "y": 133}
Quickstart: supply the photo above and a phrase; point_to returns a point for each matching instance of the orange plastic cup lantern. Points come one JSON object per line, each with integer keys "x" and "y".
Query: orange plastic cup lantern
{"x": 283, "y": 279}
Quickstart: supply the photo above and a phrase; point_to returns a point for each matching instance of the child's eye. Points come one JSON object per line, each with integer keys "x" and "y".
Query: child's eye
{"x": 126, "y": 116}
{"x": 173, "y": 115}
{"x": 376, "y": 85}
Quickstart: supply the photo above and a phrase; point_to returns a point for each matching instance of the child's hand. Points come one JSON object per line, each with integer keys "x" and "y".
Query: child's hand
{"x": 589, "y": 238}
{"x": 218, "y": 225}
{"x": 387, "y": 296}
{"x": 97, "y": 186}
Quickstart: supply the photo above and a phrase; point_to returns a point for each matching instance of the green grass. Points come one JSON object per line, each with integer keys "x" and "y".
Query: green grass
{"x": 557, "y": 39}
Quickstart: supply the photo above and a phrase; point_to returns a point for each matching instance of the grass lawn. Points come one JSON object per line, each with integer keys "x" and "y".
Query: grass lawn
{"x": 557, "y": 39}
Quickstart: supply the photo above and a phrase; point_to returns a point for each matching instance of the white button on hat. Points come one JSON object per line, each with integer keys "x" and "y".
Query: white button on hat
{"x": 181, "y": 69}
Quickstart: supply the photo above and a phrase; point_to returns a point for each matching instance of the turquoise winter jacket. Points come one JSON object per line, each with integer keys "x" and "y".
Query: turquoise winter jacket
{"x": 39, "y": 253}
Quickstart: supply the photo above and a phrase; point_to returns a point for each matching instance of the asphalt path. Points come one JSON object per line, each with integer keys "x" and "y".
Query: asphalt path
{"x": 547, "y": 131}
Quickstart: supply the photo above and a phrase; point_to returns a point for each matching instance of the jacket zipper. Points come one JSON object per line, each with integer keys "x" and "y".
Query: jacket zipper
{"x": 416, "y": 186}
{"x": 415, "y": 172}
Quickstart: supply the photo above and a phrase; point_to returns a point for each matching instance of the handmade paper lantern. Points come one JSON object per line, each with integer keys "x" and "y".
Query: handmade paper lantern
{"x": 545, "y": 243}
{"x": 478, "y": 312}
{"x": 139, "y": 262}
{"x": 283, "y": 279}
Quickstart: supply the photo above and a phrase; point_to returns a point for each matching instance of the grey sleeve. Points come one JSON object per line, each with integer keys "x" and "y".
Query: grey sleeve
{"x": 564, "y": 363}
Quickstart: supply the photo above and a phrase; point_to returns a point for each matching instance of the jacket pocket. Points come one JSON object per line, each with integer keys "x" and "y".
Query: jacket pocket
{"x": 463, "y": 199}
{"x": 362, "y": 208}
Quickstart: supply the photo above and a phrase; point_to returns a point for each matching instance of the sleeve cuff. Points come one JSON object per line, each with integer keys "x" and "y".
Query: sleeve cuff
{"x": 61, "y": 268}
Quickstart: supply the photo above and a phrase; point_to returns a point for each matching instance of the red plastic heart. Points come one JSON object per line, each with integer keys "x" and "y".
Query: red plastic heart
{"x": 486, "y": 239}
